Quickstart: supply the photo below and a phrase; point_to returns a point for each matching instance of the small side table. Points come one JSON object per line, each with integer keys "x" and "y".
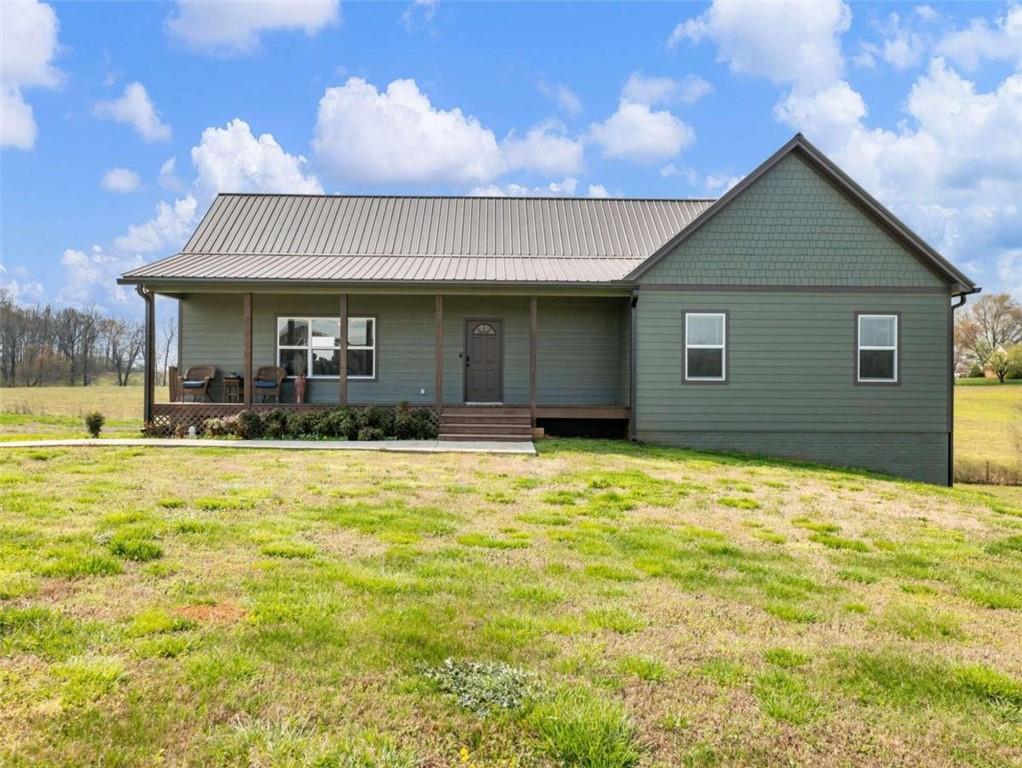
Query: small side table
{"x": 232, "y": 388}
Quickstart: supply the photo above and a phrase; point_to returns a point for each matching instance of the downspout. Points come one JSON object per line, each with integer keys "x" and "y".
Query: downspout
{"x": 632, "y": 362}
{"x": 951, "y": 385}
{"x": 147, "y": 370}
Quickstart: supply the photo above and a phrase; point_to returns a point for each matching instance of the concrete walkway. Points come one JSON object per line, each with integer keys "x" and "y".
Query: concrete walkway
{"x": 396, "y": 446}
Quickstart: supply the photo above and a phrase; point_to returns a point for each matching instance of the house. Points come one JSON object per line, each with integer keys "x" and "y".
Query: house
{"x": 793, "y": 317}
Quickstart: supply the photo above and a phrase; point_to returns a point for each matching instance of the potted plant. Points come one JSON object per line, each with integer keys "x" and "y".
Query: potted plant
{"x": 301, "y": 382}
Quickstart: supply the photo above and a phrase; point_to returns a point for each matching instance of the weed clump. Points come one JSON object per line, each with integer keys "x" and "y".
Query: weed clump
{"x": 483, "y": 687}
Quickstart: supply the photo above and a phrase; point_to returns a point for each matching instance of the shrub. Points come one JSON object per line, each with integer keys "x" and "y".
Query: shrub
{"x": 221, "y": 427}
{"x": 425, "y": 427}
{"x": 275, "y": 424}
{"x": 404, "y": 422}
{"x": 305, "y": 424}
{"x": 370, "y": 433}
{"x": 380, "y": 417}
{"x": 250, "y": 425}
{"x": 334, "y": 423}
{"x": 483, "y": 687}
{"x": 94, "y": 423}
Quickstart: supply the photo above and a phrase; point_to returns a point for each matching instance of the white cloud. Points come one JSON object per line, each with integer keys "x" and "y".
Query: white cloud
{"x": 597, "y": 190}
{"x": 122, "y": 180}
{"x": 950, "y": 170}
{"x": 903, "y": 47}
{"x": 364, "y": 135}
{"x": 231, "y": 159}
{"x": 1009, "y": 270}
{"x": 1001, "y": 41}
{"x": 168, "y": 177}
{"x": 398, "y": 135}
{"x": 22, "y": 292}
{"x": 672, "y": 170}
{"x": 233, "y": 27}
{"x": 135, "y": 108}
{"x": 419, "y": 13}
{"x": 545, "y": 149}
{"x": 567, "y": 100}
{"x": 170, "y": 227}
{"x": 665, "y": 90}
{"x": 719, "y": 183}
{"x": 788, "y": 42}
{"x": 87, "y": 274}
{"x": 564, "y": 188}
{"x": 638, "y": 132}
{"x": 29, "y": 43}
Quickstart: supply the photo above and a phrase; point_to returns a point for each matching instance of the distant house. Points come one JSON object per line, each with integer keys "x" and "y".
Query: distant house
{"x": 793, "y": 317}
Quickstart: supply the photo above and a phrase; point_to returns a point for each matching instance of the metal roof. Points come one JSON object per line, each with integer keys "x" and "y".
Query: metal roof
{"x": 457, "y": 239}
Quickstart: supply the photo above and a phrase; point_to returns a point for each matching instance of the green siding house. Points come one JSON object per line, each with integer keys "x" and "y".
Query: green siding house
{"x": 793, "y": 317}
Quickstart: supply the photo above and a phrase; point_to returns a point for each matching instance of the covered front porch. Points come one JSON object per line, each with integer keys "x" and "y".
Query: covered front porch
{"x": 554, "y": 357}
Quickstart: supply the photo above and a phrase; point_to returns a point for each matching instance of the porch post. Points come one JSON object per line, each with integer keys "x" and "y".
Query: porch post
{"x": 533, "y": 332}
{"x": 247, "y": 363}
{"x": 342, "y": 370}
{"x": 438, "y": 365}
{"x": 149, "y": 353}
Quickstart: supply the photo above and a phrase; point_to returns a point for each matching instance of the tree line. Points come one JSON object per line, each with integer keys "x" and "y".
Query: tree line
{"x": 988, "y": 337}
{"x": 41, "y": 345}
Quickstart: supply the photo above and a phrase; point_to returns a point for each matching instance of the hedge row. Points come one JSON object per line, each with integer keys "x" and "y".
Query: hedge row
{"x": 377, "y": 422}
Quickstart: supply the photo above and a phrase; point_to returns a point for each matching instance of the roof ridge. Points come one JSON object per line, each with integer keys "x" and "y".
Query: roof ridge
{"x": 475, "y": 256}
{"x": 473, "y": 197}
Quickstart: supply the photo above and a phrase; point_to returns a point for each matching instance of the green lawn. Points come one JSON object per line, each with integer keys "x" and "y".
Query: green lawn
{"x": 602, "y": 605}
{"x": 988, "y": 431}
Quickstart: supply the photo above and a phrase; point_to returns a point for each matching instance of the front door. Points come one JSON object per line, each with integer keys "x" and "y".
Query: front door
{"x": 484, "y": 356}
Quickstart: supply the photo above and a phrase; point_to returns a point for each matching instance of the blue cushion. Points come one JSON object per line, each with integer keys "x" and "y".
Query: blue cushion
{"x": 193, "y": 384}
{"x": 265, "y": 384}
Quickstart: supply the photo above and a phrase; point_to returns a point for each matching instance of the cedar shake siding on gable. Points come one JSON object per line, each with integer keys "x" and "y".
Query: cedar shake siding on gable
{"x": 791, "y": 227}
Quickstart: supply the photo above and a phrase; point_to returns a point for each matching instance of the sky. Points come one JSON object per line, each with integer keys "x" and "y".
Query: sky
{"x": 120, "y": 121}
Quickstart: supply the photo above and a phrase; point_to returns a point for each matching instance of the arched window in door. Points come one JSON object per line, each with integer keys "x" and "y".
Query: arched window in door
{"x": 484, "y": 329}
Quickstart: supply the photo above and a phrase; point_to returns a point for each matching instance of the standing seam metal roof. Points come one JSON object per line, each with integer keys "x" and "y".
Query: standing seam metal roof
{"x": 385, "y": 238}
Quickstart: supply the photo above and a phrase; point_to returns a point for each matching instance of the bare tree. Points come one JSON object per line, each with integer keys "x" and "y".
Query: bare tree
{"x": 124, "y": 346}
{"x": 168, "y": 335}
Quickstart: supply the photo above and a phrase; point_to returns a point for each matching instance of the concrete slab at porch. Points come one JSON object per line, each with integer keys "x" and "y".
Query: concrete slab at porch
{"x": 392, "y": 446}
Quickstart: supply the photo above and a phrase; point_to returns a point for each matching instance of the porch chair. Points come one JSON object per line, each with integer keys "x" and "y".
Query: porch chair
{"x": 268, "y": 381}
{"x": 196, "y": 381}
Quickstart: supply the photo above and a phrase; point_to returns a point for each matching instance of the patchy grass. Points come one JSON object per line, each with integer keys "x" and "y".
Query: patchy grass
{"x": 597, "y": 605}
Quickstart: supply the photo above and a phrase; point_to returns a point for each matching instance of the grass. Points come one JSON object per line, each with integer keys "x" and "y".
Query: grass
{"x": 43, "y": 413}
{"x": 602, "y": 604}
{"x": 988, "y": 431}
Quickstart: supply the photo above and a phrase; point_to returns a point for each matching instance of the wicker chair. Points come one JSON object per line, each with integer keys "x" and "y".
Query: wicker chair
{"x": 267, "y": 382}
{"x": 195, "y": 383}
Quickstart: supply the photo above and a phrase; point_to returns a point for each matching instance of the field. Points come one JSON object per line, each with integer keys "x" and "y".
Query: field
{"x": 605, "y": 605}
{"x": 988, "y": 430}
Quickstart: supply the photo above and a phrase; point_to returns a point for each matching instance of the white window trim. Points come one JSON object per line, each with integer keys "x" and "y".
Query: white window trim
{"x": 310, "y": 347}
{"x": 860, "y": 348}
{"x": 722, "y": 346}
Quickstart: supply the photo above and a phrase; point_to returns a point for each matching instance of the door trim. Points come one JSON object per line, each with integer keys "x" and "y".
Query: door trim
{"x": 498, "y": 323}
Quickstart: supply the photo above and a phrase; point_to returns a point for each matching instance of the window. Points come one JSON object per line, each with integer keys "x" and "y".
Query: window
{"x": 877, "y": 349}
{"x": 705, "y": 343}
{"x": 312, "y": 345}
